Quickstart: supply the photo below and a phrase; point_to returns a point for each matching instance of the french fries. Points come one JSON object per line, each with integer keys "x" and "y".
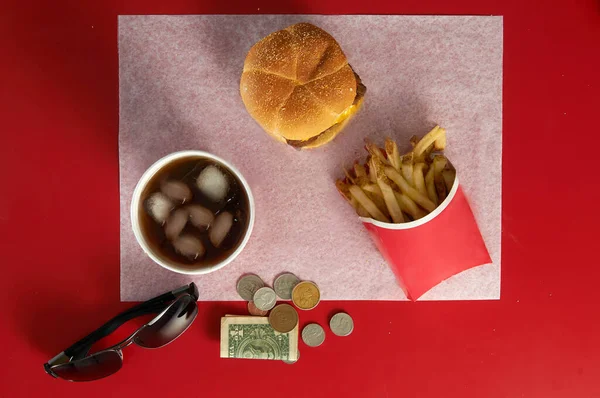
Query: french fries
{"x": 414, "y": 140}
{"x": 409, "y": 207}
{"x": 439, "y": 163}
{"x": 430, "y": 184}
{"x": 349, "y": 176}
{"x": 359, "y": 170}
{"x": 448, "y": 176}
{"x": 344, "y": 190}
{"x": 411, "y": 192}
{"x": 426, "y": 155}
{"x": 372, "y": 188}
{"x": 388, "y": 193}
{"x": 361, "y": 211}
{"x": 391, "y": 187}
{"x": 407, "y": 168}
{"x": 367, "y": 203}
{"x": 376, "y": 152}
{"x": 391, "y": 148}
{"x": 372, "y": 175}
{"x": 379, "y": 202}
{"x": 440, "y": 143}
{"x": 429, "y": 139}
{"x": 419, "y": 178}
{"x": 391, "y": 202}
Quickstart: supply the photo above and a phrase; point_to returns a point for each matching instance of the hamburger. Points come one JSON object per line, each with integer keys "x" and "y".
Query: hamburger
{"x": 297, "y": 84}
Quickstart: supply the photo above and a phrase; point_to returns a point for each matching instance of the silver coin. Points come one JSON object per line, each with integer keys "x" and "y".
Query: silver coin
{"x": 292, "y": 362}
{"x": 248, "y": 285}
{"x": 284, "y": 284}
{"x": 265, "y": 298}
{"x": 341, "y": 324}
{"x": 313, "y": 335}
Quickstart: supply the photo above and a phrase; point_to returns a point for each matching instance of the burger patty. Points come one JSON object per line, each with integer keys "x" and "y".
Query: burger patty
{"x": 360, "y": 93}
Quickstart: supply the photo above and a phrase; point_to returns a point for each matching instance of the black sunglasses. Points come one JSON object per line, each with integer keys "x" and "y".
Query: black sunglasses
{"x": 176, "y": 311}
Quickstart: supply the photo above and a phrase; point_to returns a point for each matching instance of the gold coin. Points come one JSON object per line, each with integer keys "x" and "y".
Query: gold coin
{"x": 283, "y": 318}
{"x": 306, "y": 295}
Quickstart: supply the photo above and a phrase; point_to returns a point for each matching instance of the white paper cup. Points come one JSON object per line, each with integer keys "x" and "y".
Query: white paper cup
{"x": 137, "y": 201}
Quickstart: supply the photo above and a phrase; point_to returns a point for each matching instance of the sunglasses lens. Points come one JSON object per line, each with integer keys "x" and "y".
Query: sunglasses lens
{"x": 170, "y": 325}
{"x": 94, "y": 367}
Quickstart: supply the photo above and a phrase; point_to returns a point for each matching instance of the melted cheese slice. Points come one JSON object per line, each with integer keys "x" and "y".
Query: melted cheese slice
{"x": 349, "y": 111}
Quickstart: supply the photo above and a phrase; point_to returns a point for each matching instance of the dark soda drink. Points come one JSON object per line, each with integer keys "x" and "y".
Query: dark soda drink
{"x": 194, "y": 211}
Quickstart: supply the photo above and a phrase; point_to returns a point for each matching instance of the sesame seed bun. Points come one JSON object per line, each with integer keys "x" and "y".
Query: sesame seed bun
{"x": 297, "y": 84}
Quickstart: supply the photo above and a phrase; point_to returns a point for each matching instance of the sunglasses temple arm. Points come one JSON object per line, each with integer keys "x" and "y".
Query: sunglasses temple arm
{"x": 155, "y": 305}
{"x": 190, "y": 289}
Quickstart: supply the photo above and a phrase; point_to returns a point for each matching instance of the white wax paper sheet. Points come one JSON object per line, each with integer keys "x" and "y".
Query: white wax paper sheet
{"x": 179, "y": 89}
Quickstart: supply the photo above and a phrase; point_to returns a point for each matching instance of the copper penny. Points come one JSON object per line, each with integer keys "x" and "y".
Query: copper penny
{"x": 255, "y": 311}
{"x": 283, "y": 318}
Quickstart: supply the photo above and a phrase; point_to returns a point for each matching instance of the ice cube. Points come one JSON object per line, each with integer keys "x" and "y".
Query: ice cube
{"x": 220, "y": 228}
{"x": 213, "y": 183}
{"x": 176, "y": 223}
{"x": 158, "y": 206}
{"x": 189, "y": 246}
{"x": 200, "y": 216}
{"x": 176, "y": 191}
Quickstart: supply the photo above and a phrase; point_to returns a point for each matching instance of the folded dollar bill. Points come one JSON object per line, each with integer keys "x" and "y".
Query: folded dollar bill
{"x": 252, "y": 337}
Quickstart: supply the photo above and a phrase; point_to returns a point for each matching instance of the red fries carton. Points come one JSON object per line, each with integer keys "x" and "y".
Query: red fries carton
{"x": 424, "y": 252}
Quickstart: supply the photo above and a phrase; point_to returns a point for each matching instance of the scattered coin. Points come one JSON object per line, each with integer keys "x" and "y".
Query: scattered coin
{"x": 306, "y": 295}
{"x": 283, "y": 318}
{"x": 248, "y": 285}
{"x": 292, "y": 362}
{"x": 284, "y": 284}
{"x": 255, "y": 311}
{"x": 341, "y": 324}
{"x": 265, "y": 298}
{"x": 313, "y": 335}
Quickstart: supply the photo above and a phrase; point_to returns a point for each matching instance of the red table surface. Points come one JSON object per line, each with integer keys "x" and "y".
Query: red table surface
{"x": 59, "y": 223}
